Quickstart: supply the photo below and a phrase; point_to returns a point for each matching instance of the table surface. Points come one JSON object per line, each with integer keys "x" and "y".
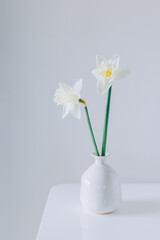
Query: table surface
{"x": 138, "y": 218}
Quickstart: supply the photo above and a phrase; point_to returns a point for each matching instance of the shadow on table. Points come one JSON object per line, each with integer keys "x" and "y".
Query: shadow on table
{"x": 139, "y": 207}
{"x": 122, "y": 224}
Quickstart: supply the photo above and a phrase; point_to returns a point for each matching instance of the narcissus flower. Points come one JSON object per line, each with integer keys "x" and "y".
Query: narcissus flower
{"x": 106, "y": 72}
{"x": 69, "y": 98}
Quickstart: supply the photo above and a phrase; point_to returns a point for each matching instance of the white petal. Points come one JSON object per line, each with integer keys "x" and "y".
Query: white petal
{"x": 65, "y": 87}
{"x": 115, "y": 61}
{"x": 121, "y": 73}
{"x": 78, "y": 86}
{"x": 101, "y": 87}
{"x": 76, "y": 110}
{"x": 98, "y": 73}
{"x": 94, "y": 72}
{"x": 99, "y": 60}
{"x": 59, "y": 93}
{"x": 56, "y": 100}
{"x": 66, "y": 110}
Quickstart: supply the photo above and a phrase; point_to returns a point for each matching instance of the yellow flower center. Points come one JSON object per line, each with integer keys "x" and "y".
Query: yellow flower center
{"x": 108, "y": 73}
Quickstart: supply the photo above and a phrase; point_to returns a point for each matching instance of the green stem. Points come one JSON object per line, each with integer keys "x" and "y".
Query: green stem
{"x": 106, "y": 123}
{"x": 90, "y": 126}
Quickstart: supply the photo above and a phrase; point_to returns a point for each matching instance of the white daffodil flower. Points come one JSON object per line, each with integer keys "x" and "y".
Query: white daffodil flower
{"x": 106, "y": 72}
{"x": 69, "y": 98}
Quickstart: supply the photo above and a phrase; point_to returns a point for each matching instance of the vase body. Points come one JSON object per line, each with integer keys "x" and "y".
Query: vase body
{"x": 100, "y": 187}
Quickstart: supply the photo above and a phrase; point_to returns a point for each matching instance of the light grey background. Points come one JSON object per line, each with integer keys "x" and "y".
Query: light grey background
{"x": 44, "y": 42}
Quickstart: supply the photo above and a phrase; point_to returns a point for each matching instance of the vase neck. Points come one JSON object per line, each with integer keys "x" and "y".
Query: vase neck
{"x": 100, "y": 159}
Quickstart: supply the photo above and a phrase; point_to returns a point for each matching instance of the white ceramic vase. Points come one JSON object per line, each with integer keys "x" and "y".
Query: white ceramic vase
{"x": 100, "y": 187}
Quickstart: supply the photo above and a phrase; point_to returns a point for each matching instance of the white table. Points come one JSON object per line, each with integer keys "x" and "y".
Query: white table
{"x": 137, "y": 219}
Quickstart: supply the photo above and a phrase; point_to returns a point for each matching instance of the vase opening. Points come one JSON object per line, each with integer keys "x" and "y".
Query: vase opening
{"x": 100, "y": 159}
